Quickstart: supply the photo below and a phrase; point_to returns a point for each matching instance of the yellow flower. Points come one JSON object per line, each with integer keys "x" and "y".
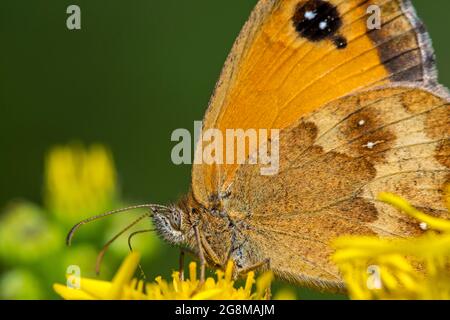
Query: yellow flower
{"x": 79, "y": 181}
{"x": 125, "y": 288}
{"x": 412, "y": 268}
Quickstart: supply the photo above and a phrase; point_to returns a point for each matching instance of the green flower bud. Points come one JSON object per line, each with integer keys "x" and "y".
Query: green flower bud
{"x": 20, "y": 284}
{"x": 27, "y": 236}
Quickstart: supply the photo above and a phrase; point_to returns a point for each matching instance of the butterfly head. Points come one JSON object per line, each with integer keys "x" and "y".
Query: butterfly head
{"x": 170, "y": 223}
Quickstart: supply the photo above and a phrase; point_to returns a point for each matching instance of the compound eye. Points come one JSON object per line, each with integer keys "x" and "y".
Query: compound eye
{"x": 175, "y": 219}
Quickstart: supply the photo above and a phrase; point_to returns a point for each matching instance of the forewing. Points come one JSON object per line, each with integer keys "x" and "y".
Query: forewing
{"x": 283, "y": 66}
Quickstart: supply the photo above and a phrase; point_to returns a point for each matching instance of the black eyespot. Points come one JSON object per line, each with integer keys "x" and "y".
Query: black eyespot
{"x": 318, "y": 20}
{"x": 340, "y": 42}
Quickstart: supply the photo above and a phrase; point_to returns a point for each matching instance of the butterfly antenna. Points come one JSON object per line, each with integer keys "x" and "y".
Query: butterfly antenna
{"x": 106, "y": 246}
{"x": 152, "y": 207}
{"x": 132, "y": 235}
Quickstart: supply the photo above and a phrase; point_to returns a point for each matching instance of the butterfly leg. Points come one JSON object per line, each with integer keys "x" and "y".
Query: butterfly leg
{"x": 181, "y": 267}
{"x": 262, "y": 264}
{"x": 211, "y": 253}
{"x": 201, "y": 256}
{"x": 265, "y": 263}
{"x": 183, "y": 252}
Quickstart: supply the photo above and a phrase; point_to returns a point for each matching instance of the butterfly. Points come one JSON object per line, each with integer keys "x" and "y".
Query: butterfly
{"x": 360, "y": 111}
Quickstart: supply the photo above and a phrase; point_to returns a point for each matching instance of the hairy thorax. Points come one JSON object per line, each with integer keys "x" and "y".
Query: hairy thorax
{"x": 220, "y": 233}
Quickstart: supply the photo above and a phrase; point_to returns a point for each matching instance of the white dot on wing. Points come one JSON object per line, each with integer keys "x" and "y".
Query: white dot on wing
{"x": 371, "y": 145}
{"x": 323, "y": 25}
{"x": 310, "y": 15}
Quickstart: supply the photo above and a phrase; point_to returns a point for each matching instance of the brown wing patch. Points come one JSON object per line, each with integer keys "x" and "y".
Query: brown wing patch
{"x": 419, "y": 102}
{"x": 312, "y": 233}
{"x": 363, "y": 131}
{"x": 300, "y": 137}
{"x": 399, "y": 44}
{"x": 443, "y": 153}
{"x": 344, "y": 175}
{"x": 438, "y": 122}
{"x": 311, "y": 269}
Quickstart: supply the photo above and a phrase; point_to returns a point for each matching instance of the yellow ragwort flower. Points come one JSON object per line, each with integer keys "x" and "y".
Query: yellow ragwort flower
{"x": 411, "y": 268}
{"x": 79, "y": 180}
{"x": 124, "y": 287}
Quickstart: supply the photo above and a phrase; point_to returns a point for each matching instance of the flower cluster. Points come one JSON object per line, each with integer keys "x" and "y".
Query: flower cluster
{"x": 79, "y": 182}
{"x": 123, "y": 286}
{"x": 411, "y": 268}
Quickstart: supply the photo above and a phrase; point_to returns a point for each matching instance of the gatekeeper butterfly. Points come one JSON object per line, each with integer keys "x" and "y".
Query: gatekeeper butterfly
{"x": 359, "y": 110}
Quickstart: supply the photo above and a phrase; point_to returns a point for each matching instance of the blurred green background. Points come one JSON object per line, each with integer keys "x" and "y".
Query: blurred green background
{"x": 136, "y": 71}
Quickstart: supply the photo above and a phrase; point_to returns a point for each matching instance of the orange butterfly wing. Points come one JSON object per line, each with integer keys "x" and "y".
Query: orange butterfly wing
{"x": 275, "y": 73}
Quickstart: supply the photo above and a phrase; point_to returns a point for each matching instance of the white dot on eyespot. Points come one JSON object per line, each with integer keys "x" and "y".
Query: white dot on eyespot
{"x": 323, "y": 25}
{"x": 310, "y": 15}
{"x": 424, "y": 226}
{"x": 361, "y": 123}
